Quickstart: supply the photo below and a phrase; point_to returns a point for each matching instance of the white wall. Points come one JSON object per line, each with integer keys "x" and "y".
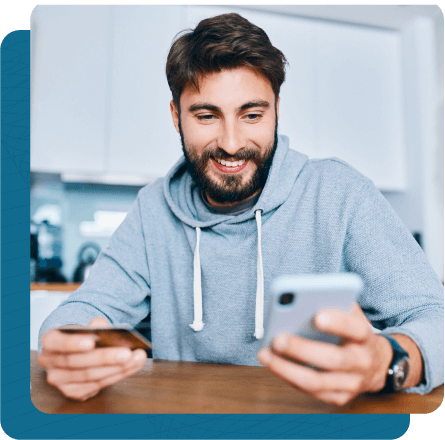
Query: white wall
{"x": 421, "y": 205}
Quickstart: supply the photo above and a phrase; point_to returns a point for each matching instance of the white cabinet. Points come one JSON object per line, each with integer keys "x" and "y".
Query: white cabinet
{"x": 100, "y": 98}
{"x": 42, "y": 304}
{"x": 359, "y": 102}
{"x": 69, "y": 51}
{"x": 142, "y": 138}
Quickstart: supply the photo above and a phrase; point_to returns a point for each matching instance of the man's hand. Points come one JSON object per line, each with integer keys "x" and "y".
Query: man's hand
{"x": 359, "y": 364}
{"x": 80, "y": 370}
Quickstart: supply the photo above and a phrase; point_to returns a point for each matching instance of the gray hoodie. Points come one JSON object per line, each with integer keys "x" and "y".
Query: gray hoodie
{"x": 208, "y": 274}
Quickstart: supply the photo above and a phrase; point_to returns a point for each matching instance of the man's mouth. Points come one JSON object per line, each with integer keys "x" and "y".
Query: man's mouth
{"x": 227, "y": 166}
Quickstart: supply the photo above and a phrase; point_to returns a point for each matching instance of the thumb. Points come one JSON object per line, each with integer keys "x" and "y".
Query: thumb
{"x": 99, "y": 322}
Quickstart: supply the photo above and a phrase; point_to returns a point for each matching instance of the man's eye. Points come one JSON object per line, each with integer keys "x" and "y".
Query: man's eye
{"x": 252, "y": 117}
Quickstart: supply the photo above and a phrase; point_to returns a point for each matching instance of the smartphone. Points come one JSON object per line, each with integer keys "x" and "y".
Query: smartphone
{"x": 295, "y": 299}
{"x": 112, "y": 336}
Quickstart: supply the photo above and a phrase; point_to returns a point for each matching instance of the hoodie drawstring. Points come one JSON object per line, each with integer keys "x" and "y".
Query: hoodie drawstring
{"x": 197, "y": 289}
{"x": 259, "y": 306}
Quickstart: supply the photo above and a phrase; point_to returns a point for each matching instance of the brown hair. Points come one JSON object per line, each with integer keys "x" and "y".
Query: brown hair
{"x": 226, "y": 41}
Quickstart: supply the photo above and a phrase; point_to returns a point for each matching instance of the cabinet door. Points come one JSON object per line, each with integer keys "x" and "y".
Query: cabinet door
{"x": 142, "y": 137}
{"x": 68, "y": 88}
{"x": 359, "y": 101}
{"x": 295, "y": 38}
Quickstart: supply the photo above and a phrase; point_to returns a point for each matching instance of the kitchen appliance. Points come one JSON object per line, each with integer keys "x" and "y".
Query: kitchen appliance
{"x": 46, "y": 250}
{"x": 34, "y": 254}
{"x": 87, "y": 256}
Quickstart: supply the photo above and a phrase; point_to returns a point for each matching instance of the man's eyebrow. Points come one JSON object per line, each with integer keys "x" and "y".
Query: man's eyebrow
{"x": 214, "y": 108}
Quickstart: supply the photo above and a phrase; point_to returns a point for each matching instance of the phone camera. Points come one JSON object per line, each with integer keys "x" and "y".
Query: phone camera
{"x": 286, "y": 298}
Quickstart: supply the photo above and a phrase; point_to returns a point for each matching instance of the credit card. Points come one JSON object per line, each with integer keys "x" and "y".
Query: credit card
{"x": 111, "y": 336}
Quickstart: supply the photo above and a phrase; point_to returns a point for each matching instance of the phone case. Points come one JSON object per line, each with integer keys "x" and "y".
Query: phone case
{"x": 294, "y": 300}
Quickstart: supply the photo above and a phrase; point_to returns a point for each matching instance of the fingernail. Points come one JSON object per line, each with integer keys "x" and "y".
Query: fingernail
{"x": 86, "y": 344}
{"x": 323, "y": 319}
{"x": 264, "y": 356}
{"x": 123, "y": 355}
{"x": 139, "y": 355}
{"x": 280, "y": 342}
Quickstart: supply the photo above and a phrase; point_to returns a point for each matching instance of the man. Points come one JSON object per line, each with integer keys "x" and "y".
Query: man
{"x": 237, "y": 210}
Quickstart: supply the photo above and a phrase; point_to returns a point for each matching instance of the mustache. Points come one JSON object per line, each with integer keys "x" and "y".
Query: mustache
{"x": 219, "y": 153}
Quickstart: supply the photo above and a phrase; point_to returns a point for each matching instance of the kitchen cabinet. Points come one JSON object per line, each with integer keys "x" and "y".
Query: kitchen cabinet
{"x": 100, "y": 99}
{"x": 142, "y": 137}
{"x": 45, "y": 298}
{"x": 69, "y": 52}
{"x": 359, "y": 101}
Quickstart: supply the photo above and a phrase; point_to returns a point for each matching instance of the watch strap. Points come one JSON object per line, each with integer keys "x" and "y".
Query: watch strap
{"x": 398, "y": 354}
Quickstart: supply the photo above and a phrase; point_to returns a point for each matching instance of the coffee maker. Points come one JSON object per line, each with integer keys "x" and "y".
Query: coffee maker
{"x": 46, "y": 261}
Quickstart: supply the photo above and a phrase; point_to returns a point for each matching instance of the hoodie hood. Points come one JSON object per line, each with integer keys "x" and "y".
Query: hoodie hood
{"x": 184, "y": 199}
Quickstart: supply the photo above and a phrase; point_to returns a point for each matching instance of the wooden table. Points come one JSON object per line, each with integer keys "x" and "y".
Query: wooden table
{"x": 59, "y": 287}
{"x": 192, "y": 387}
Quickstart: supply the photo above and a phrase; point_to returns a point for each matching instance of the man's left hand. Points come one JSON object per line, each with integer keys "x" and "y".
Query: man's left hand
{"x": 359, "y": 364}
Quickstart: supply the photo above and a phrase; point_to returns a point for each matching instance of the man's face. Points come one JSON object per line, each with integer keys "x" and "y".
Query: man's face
{"x": 229, "y": 133}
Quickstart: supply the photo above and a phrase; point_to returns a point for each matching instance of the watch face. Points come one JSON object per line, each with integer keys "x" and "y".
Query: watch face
{"x": 401, "y": 373}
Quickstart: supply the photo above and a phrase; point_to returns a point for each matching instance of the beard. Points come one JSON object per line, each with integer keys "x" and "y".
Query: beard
{"x": 230, "y": 188}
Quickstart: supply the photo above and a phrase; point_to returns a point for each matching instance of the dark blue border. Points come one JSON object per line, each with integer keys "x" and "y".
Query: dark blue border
{"x": 19, "y": 417}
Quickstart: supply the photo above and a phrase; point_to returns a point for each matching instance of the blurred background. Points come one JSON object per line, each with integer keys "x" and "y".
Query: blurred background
{"x": 364, "y": 84}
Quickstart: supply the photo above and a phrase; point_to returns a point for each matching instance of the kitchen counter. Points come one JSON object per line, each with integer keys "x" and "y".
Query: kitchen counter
{"x": 56, "y": 287}
{"x": 46, "y": 297}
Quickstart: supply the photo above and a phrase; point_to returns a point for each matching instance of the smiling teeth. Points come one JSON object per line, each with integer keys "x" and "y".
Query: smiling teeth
{"x": 226, "y": 163}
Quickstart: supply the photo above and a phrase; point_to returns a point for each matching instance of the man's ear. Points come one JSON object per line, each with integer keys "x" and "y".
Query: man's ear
{"x": 278, "y": 108}
{"x": 175, "y": 115}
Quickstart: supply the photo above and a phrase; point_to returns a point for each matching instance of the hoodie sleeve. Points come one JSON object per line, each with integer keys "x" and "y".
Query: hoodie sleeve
{"x": 117, "y": 286}
{"x": 402, "y": 292}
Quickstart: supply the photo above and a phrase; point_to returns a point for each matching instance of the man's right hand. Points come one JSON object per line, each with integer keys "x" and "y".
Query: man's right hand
{"x": 80, "y": 370}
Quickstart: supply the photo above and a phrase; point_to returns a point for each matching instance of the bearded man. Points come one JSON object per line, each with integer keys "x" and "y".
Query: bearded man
{"x": 239, "y": 209}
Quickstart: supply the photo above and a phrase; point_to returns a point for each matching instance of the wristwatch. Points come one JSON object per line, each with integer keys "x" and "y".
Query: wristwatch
{"x": 398, "y": 368}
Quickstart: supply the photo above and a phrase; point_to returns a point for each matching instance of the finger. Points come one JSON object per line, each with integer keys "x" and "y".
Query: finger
{"x": 94, "y": 393}
{"x": 78, "y": 391}
{"x": 56, "y": 341}
{"x": 86, "y": 390}
{"x": 99, "y": 322}
{"x": 96, "y": 358}
{"x": 323, "y": 355}
{"x": 57, "y": 376}
{"x": 353, "y": 325}
{"x": 90, "y": 395}
{"x": 139, "y": 356}
{"x": 307, "y": 379}
{"x": 338, "y": 398}
{"x": 117, "y": 377}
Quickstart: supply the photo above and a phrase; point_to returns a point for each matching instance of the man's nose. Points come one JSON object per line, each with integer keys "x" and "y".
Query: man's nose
{"x": 231, "y": 138}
